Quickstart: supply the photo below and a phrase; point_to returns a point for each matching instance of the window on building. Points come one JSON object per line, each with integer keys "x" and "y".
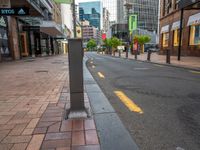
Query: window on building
{"x": 195, "y": 35}
{"x": 165, "y": 39}
{"x": 176, "y": 37}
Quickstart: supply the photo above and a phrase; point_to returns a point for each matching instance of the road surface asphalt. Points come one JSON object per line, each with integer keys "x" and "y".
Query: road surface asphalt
{"x": 168, "y": 97}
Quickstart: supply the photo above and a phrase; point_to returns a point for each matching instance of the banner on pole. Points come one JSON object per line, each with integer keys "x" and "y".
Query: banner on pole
{"x": 64, "y": 1}
{"x": 132, "y": 22}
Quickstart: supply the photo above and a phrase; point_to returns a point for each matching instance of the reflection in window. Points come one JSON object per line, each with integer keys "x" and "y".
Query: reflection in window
{"x": 165, "y": 39}
{"x": 176, "y": 37}
{"x": 195, "y": 35}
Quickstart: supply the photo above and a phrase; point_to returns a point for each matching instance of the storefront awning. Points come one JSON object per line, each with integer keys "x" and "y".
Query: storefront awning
{"x": 194, "y": 19}
{"x": 176, "y": 25}
{"x": 51, "y": 28}
{"x": 164, "y": 29}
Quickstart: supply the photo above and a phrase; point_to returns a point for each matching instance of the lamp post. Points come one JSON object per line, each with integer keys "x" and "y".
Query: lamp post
{"x": 128, "y": 7}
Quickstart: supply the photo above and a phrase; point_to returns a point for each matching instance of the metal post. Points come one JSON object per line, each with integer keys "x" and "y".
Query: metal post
{"x": 180, "y": 35}
{"x": 119, "y": 53}
{"x": 127, "y": 32}
{"x": 74, "y": 17}
{"x": 168, "y": 57}
{"x": 149, "y": 55}
{"x": 77, "y": 109}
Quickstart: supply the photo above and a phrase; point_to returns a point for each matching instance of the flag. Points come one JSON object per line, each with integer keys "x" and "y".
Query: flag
{"x": 132, "y": 22}
{"x": 64, "y": 1}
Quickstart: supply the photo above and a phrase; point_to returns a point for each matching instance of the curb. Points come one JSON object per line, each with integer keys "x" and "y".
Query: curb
{"x": 111, "y": 131}
{"x": 164, "y": 64}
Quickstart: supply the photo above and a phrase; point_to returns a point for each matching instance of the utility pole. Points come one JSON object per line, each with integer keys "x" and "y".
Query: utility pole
{"x": 128, "y": 7}
{"x": 74, "y": 17}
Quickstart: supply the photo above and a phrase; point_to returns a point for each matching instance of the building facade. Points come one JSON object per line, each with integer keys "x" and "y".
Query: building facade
{"x": 33, "y": 34}
{"x": 146, "y": 10}
{"x": 91, "y": 11}
{"x": 170, "y": 27}
{"x": 106, "y": 20}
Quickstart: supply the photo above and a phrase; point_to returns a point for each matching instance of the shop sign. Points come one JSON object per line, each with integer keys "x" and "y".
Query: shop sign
{"x": 18, "y": 11}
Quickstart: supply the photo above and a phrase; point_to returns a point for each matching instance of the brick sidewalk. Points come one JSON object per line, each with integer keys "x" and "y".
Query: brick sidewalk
{"x": 33, "y": 97}
{"x": 188, "y": 62}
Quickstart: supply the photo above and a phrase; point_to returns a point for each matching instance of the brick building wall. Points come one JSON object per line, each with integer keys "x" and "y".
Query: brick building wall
{"x": 168, "y": 19}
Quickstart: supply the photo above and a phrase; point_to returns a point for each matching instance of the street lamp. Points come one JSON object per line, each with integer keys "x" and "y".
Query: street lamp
{"x": 128, "y": 7}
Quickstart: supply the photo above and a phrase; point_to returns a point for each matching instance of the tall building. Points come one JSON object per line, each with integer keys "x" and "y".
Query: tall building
{"x": 106, "y": 20}
{"x": 92, "y": 12}
{"x": 89, "y": 32}
{"x": 147, "y": 11}
{"x": 111, "y": 6}
{"x": 170, "y": 20}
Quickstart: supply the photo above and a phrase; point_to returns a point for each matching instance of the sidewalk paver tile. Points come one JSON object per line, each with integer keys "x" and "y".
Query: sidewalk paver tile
{"x": 78, "y": 138}
{"x": 89, "y": 124}
{"x": 66, "y": 125}
{"x": 58, "y": 136}
{"x": 36, "y": 142}
{"x": 88, "y": 147}
{"x": 52, "y": 144}
{"x": 17, "y": 139}
{"x": 78, "y": 125}
{"x": 19, "y": 146}
{"x": 55, "y": 127}
{"x": 91, "y": 137}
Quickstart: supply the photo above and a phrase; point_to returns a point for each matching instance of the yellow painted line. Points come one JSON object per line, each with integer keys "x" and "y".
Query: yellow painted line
{"x": 93, "y": 66}
{"x": 195, "y": 72}
{"x": 101, "y": 75}
{"x": 128, "y": 102}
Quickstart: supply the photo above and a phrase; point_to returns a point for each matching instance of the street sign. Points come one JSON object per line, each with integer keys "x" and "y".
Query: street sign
{"x": 31, "y": 28}
{"x": 17, "y": 11}
{"x": 132, "y": 22}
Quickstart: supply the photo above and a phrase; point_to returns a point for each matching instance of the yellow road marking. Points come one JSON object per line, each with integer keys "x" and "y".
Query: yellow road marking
{"x": 101, "y": 75}
{"x": 93, "y": 66}
{"x": 195, "y": 72}
{"x": 128, "y": 102}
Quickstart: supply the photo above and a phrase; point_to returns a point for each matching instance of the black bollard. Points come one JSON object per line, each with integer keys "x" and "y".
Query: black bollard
{"x": 168, "y": 56}
{"x": 149, "y": 55}
{"x": 136, "y": 53}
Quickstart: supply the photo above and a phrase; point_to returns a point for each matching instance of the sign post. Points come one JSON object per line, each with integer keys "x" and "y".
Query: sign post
{"x": 77, "y": 109}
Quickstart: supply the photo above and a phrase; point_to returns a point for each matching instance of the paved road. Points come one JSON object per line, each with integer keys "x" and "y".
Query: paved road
{"x": 168, "y": 99}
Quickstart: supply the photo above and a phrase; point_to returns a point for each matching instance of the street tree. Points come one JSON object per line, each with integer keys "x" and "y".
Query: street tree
{"x": 115, "y": 42}
{"x": 142, "y": 39}
{"x": 91, "y": 44}
{"x": 108, "y": 45}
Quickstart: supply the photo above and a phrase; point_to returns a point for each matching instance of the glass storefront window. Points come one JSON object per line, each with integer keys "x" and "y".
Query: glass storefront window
{"x": 195, "y": 35}
{"x": 165, "y": 40}
{"x": 176, "y": 37}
